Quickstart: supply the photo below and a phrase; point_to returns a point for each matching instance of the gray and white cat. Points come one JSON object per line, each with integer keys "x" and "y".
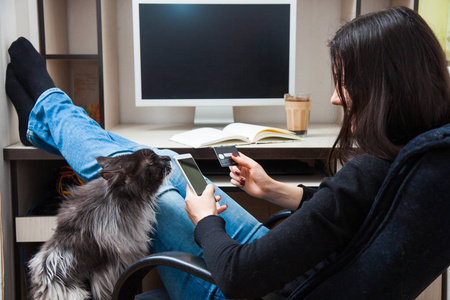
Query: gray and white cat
{"x": 102, "y": 227}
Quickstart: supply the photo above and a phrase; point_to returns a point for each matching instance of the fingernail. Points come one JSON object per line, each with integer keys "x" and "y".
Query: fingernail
{"x": 234, "y": 154}
{"x": 238, "y": 172}
{"x": 242, "y": 180}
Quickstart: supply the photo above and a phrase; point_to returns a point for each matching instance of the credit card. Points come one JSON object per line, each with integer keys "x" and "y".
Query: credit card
{"x": 224, "y": 155}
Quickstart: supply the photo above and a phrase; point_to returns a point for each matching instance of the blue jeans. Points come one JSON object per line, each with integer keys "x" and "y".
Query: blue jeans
{"x": 58, "y": 126}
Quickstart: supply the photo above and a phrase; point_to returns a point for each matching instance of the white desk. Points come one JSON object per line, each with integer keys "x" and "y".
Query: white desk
{"x": 316, "y": 144}
{"x": 32, "y": 168}
{"x": 319, "y": 136}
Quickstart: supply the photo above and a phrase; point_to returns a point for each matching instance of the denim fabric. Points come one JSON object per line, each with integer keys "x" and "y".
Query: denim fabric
{"x": 58, "y": 126}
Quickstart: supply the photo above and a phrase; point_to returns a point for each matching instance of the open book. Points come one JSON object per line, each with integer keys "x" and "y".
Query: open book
{"x": 233, "y": 134}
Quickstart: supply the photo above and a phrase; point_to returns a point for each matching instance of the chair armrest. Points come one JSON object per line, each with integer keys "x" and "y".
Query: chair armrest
{"x": 129, "y": 281}
{"x": 278, "y": 216}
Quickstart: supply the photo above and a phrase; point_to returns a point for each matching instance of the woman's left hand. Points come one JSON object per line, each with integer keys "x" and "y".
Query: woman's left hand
{"x": 198, "y": 207}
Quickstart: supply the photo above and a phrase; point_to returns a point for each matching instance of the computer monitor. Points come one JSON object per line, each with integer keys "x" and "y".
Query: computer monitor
{"x": 214, "y": 54}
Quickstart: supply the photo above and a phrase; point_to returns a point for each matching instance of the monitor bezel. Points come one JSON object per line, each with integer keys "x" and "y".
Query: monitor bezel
{"x": 139, "y": 101}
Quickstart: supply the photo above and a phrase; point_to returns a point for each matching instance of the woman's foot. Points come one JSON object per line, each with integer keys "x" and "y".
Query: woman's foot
{"x": 29, "y": 68}
{"x": 21, "y": 100}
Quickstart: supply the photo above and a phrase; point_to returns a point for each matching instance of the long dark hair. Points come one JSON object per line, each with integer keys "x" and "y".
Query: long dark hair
{"x": 395, "y": 74}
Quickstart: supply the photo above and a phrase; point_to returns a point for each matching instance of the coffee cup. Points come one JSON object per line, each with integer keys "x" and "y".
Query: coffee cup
{"x": 298, "y": 108}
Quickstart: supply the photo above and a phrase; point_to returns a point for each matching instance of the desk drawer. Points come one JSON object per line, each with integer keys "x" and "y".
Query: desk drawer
{"x": 34, "y": 229}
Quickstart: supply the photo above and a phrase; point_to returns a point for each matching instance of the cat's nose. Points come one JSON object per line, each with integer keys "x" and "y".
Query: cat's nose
{"x": 167, "y": 166}
{"x": 166, "y": 161}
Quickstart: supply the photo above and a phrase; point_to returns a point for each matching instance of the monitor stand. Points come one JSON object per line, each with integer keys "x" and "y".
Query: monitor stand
{"x": 216, "y": 116}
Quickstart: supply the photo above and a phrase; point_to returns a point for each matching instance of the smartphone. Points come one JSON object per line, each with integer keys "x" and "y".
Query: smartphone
{"x": 191, "y": 173}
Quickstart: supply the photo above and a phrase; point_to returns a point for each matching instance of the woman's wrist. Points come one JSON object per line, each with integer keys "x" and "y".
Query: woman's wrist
{"x": 283, "y": 194}
{"x": 270, "y": 190}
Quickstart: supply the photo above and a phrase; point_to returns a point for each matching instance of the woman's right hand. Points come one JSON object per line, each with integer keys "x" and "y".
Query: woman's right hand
{"x": 250, "y": 176}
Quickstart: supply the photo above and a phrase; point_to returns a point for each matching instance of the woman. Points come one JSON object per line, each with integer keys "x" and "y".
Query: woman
{"x": 392, "y": 82}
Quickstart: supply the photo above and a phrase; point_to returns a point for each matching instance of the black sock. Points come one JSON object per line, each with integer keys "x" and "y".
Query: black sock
{"x": 22, "y": 102}
{"x": 29, "y": 67}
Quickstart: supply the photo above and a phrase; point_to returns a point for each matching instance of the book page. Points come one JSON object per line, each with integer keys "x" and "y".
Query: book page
{"x": 207, "y": 136}
{"x": 248, "y": 130}
{"x": 257, "y": 132}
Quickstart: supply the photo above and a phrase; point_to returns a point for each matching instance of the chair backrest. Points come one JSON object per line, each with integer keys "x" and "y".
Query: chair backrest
{"x": 404, "y": 243}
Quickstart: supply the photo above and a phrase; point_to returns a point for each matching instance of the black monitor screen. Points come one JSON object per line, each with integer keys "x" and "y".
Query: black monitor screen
{"x": 211, "y": 51}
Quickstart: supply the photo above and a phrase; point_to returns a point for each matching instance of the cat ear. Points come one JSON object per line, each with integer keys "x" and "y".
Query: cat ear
{"x": 108, "y": 175}
{"x": 104, "y": 162}
{"x": 115, "y": 177}
{"x": 110, "y": 164}
{"x": 110, "y": 170}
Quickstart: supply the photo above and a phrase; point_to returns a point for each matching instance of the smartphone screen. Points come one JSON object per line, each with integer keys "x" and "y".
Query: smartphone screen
{"x": 192, "y": 172}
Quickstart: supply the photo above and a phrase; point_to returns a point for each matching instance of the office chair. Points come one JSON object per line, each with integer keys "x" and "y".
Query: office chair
{"x": 402, "y": 246}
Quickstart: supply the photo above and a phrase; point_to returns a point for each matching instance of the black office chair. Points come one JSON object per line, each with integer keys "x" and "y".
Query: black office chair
{"x": 403, "y": 245}
{"x": 130, "y": 280}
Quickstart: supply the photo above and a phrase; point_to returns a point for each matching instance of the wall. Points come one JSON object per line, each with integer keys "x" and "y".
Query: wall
{"x": 313, "y": 69}
{"x": 7, "y": 31}
{"x": 17, "y": 18}
{"x": 436, "y": 13}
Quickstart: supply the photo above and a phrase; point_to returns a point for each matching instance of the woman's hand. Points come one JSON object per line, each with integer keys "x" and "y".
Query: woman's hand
{"x": 198, "y": 207}
{"x": 250, "y": 176}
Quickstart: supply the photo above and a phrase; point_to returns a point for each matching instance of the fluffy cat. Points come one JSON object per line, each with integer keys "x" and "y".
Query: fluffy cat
{"x": 102, "y": 227}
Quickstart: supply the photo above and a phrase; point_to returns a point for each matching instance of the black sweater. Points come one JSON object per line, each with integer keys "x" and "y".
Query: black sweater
{"x": 324, "y": 223}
